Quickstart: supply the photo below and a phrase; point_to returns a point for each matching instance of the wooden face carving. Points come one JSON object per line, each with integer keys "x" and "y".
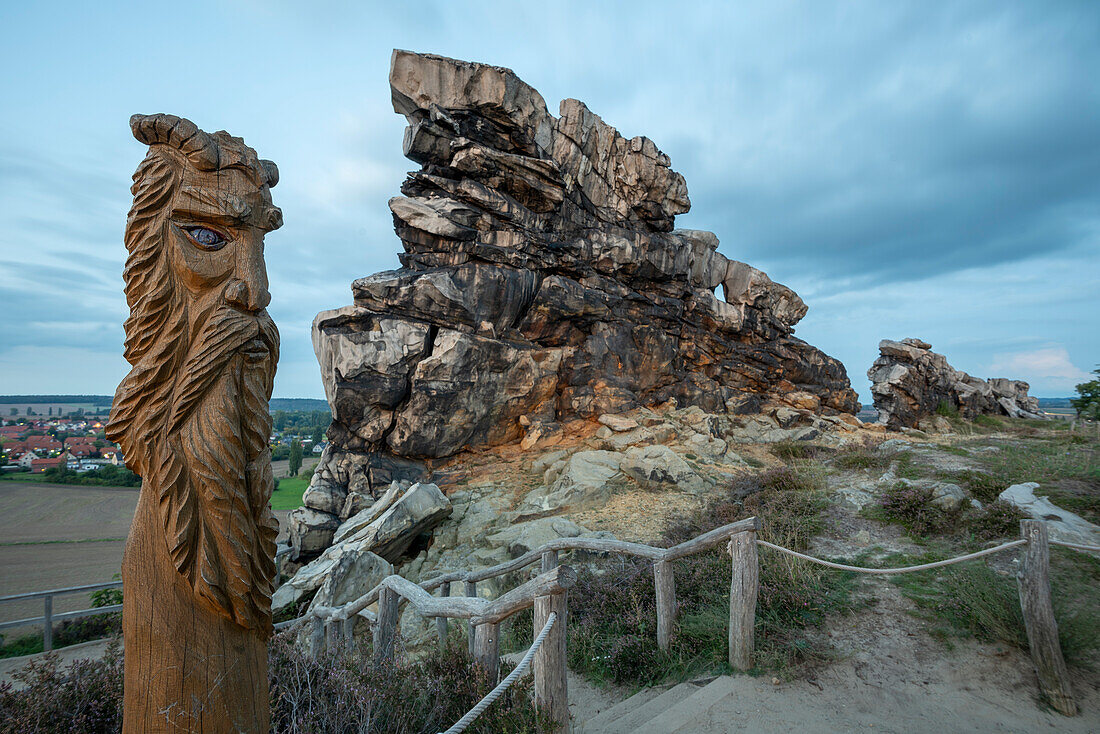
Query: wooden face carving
{"x": 216, "y": 237}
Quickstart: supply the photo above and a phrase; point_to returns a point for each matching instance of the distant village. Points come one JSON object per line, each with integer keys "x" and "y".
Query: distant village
{"x": 77, "y": 442}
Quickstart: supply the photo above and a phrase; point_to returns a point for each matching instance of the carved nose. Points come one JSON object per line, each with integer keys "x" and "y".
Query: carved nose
{"x": 249, "y": 299}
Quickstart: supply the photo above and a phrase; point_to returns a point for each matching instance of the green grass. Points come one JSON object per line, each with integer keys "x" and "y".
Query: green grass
{"x": 288, "y": 496}
{"x": 861, "y": 457}
{"x": 613, "y": 626}
{"x": 971, "y": 600}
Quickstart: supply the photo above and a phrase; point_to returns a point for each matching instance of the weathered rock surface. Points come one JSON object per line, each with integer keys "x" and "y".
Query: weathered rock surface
{"x": 542, "y": 281}
{"x": 909, "y": 381}
{"x": 1062, "y": 524}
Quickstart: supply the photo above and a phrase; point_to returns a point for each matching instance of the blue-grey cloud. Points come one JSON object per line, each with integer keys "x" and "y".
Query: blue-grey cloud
{"x": 910, "y": 169}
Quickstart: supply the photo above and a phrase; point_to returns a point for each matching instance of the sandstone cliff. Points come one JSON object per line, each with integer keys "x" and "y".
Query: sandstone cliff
{"x": 542, "y": 280}
{"x": 910, "y": 381}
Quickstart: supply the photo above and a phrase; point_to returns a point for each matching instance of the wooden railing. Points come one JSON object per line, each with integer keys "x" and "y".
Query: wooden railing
{"x": 548, "y": 593}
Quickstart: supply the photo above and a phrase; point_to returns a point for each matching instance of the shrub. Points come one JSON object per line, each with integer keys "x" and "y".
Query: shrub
{"x": 864, "y": 456}
{"x": 613, "y": 617}
{"x": 996, "y": 520}
{"x": 970, "y": 600}
{"x": 947, "y": 410}
{"x": 792, "y": 450}
{"x": 912, "y": 508}
{"x": 346, "y": 693}
{"x": 85, "y": 697}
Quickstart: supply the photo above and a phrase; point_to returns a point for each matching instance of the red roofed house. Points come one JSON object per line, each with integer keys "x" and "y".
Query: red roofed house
{"x": 12, "y": 431}
{"x": 80, "y": 450}
{"x": 43, "y": 443}
{"x": 40, "y": 465}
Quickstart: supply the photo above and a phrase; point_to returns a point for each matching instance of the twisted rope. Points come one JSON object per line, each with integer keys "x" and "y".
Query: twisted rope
{"x": 496, "y": 693}
{"x": 903, "y": 569}
{"x": 1076, "y": 546}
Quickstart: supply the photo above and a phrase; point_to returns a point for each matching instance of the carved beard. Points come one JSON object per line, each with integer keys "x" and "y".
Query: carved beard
{"x": 212, "y": 466}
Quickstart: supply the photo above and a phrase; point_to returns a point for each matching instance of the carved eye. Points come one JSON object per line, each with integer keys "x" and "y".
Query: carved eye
{"x": 206, "y": 238}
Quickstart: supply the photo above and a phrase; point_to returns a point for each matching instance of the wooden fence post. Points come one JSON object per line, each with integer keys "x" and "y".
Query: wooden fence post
{"x": 549, "y": 561}
{"x": 551, "y": 689}
{"x": 316, "y": 637}
{"x": 441, "y": 622}
{"x": 665, "y": 583}
{"x": 487, "y": 648}
{"x": 1033, "y": 580}
{"x": 47, "y": 630}
{"x": 385, "y": 630}
{"x": 349, "y": 633}
{"x": 471, "y": 590}
{"x": 744, "y": 588}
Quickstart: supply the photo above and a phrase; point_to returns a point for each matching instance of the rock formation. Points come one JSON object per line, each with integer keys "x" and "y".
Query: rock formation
{"x": 909, "y": 382}
{"x": 542, "y": 280}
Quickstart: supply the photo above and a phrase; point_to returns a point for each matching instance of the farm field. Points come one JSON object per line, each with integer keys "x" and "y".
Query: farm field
{"x": 57, "y": 535}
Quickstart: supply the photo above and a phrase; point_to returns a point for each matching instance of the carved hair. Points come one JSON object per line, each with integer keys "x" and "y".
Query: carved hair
{"x": 191, "y": 416}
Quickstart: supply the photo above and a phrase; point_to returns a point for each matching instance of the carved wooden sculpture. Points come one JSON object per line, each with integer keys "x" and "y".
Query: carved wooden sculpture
{"x": 192, "y": 419}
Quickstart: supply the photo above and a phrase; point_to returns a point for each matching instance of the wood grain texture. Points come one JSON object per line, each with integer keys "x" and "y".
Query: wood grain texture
{"x": 1033, "y": 580}
{"x": 551, "y": 684}
{"x": 744, "y": 588}
{"x": 192, "y": 419}
{"x": 664, "y": 581}
{"x": 487, "y": 648}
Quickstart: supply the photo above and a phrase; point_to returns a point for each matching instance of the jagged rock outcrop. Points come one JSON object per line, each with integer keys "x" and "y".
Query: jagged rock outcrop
{"x": 909, "y": 382}
{"x": 542, "y": 280}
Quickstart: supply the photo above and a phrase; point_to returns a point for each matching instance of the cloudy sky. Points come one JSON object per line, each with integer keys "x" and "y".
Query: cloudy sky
{"x": 911, "y": 169}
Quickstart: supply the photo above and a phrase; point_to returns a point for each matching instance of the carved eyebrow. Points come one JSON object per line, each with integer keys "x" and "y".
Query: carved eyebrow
{"x": 214, "y": 206}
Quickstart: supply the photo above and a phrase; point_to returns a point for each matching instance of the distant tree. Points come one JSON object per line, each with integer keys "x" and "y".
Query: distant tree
{"x": 30, "y": 411}
{"x": 1087, "y": 402}
{"x": 15, "y": 411}
{"x": 317, "y": 433}
{"x": 49, "y": 410}
{"x": 295, "y": 457}
{"x": 279, "y": 420}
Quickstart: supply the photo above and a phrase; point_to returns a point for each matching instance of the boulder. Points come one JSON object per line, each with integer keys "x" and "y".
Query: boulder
{"x": 527, "y": 536}
{"x": 311, "y": 531}
{"x": 343, "y": 561}
{"x": 353, "y": 575}
{"x": 909, "y": 382}
{"x": 583, "y": 483}
{"x": 1061, "y": 524}
{"x": 418, "y": 510}
{"x": 369, "y": 514}
{"x": 542, "y": 281}
{"x": 659, "y": 467}
{"x": 949, "y": 497}
{"x": 618, "y": 422}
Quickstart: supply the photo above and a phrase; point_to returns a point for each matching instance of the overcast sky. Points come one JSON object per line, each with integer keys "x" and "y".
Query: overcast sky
{"x": 910, "y": 169}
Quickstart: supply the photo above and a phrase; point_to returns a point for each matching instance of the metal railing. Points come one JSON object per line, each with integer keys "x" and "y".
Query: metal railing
{"x": 48, "y": 617}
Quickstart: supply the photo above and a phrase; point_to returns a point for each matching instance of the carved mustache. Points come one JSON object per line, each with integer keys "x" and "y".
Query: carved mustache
{"x": 226, "y": 333}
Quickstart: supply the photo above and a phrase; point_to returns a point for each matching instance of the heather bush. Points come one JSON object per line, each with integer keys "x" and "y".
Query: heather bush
{"x": 84, "y": 697}
{"x": 342, "y": 693}
{"x": 912, "y": 508}
{"x": 347, "y": 693}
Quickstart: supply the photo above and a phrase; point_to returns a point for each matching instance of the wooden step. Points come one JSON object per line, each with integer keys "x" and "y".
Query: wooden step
{"x": 678, "y": 718}
{"x": 632, "y": 719}
{"x": 602, "y": 719}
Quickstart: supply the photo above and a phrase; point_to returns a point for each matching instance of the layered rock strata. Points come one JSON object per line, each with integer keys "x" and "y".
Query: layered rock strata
{"x": 909, "y": 382}
{"x": 542, "y": 280}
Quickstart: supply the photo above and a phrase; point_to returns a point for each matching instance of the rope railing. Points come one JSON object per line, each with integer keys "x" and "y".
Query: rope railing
{"x": 902, "y": 569}
{"x": 516, "y": 674}
{"x": 549, "y": 588}
{"x": 1077, "y": 546}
